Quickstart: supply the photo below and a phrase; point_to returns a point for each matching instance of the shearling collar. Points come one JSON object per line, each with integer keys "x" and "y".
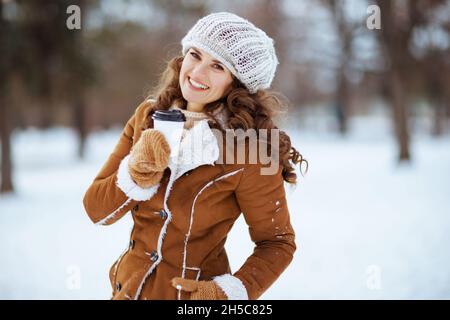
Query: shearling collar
{"x": 198, "y": 147}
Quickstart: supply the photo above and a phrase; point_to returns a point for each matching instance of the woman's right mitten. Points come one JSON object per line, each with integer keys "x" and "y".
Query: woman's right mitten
{"x": 149, "y": 158}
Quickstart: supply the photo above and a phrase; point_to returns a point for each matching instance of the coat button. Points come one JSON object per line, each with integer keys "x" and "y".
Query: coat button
{"x": 153, "y": 256}
{"x": 131, "y": 244}
{"x": 118, "y": 286}
{"x": 163, "y": 214}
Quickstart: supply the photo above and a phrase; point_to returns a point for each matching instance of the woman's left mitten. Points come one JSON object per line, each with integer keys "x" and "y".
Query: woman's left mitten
{"x": 200, "y": 290}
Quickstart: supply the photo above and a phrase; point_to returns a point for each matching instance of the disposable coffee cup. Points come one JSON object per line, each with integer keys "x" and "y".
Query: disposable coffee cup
{"x": 170, "y": 123}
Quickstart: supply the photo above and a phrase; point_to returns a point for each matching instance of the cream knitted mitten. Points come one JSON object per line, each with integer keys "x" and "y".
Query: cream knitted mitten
{"x": 149, "y": 158}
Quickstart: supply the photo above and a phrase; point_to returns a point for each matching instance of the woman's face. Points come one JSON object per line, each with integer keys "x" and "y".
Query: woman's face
{"x": 202, "y": 78}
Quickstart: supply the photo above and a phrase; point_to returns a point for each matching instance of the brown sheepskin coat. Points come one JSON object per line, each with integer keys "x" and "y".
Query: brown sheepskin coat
{"x": 181, "y": 224}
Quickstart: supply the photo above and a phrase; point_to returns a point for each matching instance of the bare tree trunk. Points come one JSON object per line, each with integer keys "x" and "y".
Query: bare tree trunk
{"x": 342, "y": 101}
{"x": 79, "y": 115}
{"x": 5, "y": 134}
{"x": 394, "y": 37}
{"x": 397, "y": 93}
{"x": 342, "y": 94}
{"x": 436, "y": 74}
{"x": 6, "y": 184}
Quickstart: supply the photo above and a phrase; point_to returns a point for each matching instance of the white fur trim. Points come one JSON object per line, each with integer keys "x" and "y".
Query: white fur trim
{"x": 232, "y": 286}
{"x": 113, "y": 214}
{"x": 162, "y": 233}
{"x": 129, "y": 187}
{"x": 198, "y": 147}
{"x": 229, "y": 174}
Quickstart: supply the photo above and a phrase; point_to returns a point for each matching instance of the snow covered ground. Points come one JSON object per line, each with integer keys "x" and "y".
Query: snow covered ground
{"x": 366, "y": 227}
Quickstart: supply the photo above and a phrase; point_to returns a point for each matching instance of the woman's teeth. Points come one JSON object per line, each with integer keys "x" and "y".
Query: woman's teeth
{"x": 197, "y": 85}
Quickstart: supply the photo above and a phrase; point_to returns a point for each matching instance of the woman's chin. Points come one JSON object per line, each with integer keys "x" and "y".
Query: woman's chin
{"x": 194, "y": 97}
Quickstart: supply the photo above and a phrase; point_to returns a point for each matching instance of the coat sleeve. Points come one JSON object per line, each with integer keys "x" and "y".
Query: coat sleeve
{"x": 113, "y": 192}
{"x": 263, "y": 203}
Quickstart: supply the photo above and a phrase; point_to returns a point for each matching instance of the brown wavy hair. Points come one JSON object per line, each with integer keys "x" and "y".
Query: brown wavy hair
{"x": 246, "y": 111}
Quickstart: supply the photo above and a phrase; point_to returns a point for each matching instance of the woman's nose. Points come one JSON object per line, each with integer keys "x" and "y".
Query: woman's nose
{"x": 200, "y": 70}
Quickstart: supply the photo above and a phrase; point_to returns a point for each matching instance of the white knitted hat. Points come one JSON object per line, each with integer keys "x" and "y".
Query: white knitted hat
{"x": 247, "y": 51}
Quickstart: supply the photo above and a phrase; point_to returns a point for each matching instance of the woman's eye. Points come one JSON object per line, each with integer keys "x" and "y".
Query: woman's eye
{"x": 194, "y": 55}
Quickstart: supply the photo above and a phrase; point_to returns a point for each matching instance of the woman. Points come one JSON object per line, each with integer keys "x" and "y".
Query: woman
{"x": 183, "y": 211}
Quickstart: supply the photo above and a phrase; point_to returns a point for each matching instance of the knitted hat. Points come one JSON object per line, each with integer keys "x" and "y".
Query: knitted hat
{"x": 247, "y": 51}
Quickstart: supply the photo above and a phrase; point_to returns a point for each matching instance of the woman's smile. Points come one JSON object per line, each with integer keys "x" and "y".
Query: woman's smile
{"x": 196, "y": 86}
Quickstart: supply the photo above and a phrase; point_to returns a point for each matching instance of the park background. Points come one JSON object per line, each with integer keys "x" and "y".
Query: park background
{"x": 369, "y": 109}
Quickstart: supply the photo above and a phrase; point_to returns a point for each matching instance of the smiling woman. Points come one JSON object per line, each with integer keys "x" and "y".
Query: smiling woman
{"x": 184, "y": 210}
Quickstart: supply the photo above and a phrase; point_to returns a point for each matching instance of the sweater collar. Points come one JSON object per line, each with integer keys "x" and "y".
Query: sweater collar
{"x": 221, "y": 114}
